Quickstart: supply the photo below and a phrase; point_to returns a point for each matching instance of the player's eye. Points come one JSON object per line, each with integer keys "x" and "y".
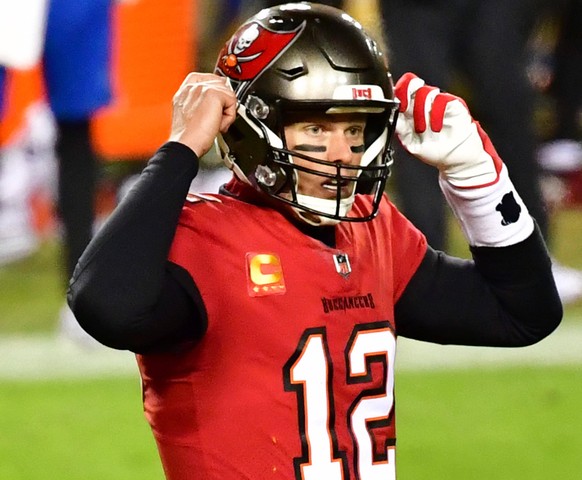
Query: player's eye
{"x": 355, "y": 131}
{"x": 314, "y": 130}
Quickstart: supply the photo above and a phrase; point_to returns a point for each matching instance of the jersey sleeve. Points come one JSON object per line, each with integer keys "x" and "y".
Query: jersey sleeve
{"x": 409, "y": 246}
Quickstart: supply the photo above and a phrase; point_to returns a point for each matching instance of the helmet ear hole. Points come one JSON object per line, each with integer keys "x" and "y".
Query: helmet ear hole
{"x": 254, "y": 157}
{"x": 246, "y": 145}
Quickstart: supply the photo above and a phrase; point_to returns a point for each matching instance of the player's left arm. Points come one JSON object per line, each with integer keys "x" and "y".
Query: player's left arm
{"x": 506, "y": 295}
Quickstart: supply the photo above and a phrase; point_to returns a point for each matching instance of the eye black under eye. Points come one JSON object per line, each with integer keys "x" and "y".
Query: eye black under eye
{"x": 304, "y": 147}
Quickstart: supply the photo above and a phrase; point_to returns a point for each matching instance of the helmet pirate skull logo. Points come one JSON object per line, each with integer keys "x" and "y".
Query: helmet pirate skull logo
{"x": 247, "y": 37}
{"x": 251, "y": 49}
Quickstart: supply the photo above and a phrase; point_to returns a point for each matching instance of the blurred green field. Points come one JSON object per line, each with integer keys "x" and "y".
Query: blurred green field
{"x": 503, "y": 424}
{"x": 507, "y": 423}
{"x": 75, "y": 430}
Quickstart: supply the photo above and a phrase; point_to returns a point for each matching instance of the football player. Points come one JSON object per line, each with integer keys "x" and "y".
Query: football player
{"x": 265, "y": 317}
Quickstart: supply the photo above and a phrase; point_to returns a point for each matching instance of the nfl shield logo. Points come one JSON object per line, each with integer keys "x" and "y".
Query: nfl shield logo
{"x": 342, "y": 264}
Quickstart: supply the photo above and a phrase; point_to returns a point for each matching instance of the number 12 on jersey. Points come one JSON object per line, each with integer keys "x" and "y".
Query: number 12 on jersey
{"x": 309, "y": 374}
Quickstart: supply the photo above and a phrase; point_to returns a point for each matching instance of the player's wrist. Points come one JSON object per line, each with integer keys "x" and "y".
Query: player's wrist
{"x": 493, "y": 215}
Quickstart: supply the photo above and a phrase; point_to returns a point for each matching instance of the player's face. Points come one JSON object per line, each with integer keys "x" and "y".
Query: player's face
{"x": 335, "y": 138}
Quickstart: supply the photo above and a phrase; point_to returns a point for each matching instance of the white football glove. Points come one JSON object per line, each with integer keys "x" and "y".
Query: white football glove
{"x": 437, "y": 128}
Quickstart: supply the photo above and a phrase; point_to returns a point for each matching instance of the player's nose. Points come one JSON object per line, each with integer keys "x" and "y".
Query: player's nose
{"x": 339, "y": 149}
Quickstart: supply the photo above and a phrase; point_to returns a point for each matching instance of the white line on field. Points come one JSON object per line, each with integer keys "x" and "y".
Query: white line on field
{"x": 54, "y": 356}
{"x": 562, "y": 347}
{"x": 51, "y": 356}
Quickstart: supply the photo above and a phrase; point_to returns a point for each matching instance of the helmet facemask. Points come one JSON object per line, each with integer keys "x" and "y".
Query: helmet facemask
{"x": 279, "y": 175}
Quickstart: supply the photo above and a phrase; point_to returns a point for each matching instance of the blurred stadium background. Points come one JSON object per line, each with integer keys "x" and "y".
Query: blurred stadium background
{"x": 71, "y": 409}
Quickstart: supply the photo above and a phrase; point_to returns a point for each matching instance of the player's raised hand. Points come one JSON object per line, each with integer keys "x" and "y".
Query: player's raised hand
{"x": 203, "y": 106}
{"x": 437, "y": 128}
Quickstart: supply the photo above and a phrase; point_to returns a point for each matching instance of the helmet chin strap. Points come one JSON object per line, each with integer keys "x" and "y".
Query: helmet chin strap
{"x": 229, "y": 161}
{"x": 313, "y": 219}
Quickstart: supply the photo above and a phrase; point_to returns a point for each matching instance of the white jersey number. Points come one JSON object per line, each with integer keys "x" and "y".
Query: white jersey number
{"x": 309, "y": 373}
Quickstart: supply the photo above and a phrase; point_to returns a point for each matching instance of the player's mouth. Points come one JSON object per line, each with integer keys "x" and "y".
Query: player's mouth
{"x": 332, "y": 185}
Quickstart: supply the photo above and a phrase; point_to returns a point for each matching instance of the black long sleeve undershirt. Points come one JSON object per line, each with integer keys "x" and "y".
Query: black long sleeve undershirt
{"x": 124, "y": 292}
{"x": 504, "y": 297}
{"x": 127, "y": 295}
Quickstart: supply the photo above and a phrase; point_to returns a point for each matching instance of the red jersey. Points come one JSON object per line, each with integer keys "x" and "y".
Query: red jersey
{"x": 294, "y": 376}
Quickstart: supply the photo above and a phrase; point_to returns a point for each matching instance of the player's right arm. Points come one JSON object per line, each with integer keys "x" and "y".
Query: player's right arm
{"x": 124, "y": 292}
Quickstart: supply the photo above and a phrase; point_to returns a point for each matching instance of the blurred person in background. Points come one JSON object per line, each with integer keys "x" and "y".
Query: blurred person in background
{"x": 27, "y": 170}
{"x": 77, "y": 67}
{"x": 556, "y": 71}
{"x": 22, "y": 29}
{"x": 17, "y": 239}
{"x": 75, "y": 60}
{"x": 478, "y": 48}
